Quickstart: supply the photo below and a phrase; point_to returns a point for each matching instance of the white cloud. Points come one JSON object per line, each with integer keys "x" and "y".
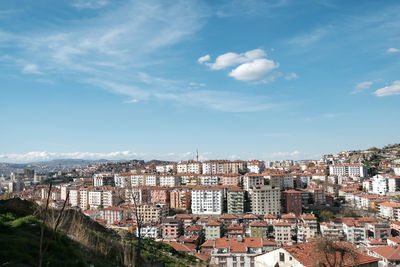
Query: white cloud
{"x": 36, "y": 156}
{"x": 254, "y": 70}
{"x": 393, "y": 50}
{"x": 89, "y": 4}
{"x": 204, "y": 59}
{"x": 31, "y": 69}
{"x": 231, "y": 59}
{"x": 253, "y": 65}
{"x": 393, "y": 89}
{"x": 361, "y": 86}
{"x": 291, "y": 76}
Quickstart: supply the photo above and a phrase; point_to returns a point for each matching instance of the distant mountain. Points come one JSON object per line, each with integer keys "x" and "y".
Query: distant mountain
{"x": 52, "y": 165}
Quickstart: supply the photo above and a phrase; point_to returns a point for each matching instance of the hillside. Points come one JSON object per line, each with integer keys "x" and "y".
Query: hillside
{"x": 79, "y": 241}
{"x": 373, "y": 157}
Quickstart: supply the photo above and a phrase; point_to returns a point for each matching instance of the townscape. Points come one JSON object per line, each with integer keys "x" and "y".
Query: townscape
{"x": 239, "y": 213}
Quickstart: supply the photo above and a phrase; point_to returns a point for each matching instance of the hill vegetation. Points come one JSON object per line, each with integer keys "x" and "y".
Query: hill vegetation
{"x": 78, "y": 242}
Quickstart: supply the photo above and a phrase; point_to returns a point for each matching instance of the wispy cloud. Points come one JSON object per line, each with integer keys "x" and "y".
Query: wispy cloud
{"x": 225, "y": 101}
{"x": 89, "y": 4}
{"x": 393, "y": 50}
{"x": 291, "y": 76}
{"x": 310, "y": 38}
{"x": 362, "y": 86}
{"x": 31, "y": 69}
{"x": 393, "y": 89}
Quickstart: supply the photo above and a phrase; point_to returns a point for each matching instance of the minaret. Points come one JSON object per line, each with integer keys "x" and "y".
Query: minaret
{"x": 197, "y": 155}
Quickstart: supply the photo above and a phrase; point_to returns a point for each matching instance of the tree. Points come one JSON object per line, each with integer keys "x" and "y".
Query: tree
{"x": 49, "y": 218}
{"x": 334, "y": 253}
{"x": 326, "y": 215}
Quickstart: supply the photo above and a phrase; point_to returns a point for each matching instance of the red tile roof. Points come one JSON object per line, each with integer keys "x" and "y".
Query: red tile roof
{"x": 306, "y": 254}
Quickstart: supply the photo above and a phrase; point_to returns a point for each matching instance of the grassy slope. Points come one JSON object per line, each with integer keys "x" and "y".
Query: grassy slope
{"x": 20, "y": 235}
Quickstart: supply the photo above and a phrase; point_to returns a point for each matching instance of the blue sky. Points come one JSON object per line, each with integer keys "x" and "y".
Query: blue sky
{"x": 235, "y": 79}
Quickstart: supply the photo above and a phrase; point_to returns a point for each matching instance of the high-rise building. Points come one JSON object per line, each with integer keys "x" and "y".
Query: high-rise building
{"x": 266, "y": 200}
{"x": 235, "y": 201}
{"x": 291, "y": 202}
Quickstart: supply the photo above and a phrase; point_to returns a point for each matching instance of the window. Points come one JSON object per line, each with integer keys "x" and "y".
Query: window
{"x": 281, "y": 256}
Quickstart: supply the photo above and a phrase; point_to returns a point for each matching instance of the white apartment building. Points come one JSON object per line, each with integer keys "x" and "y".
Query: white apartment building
{"x": 120, "y": 180}
{"x": 396, "y": 170}
{"x": 331, "y": 230}
{"x": 207, "y": 200}
{"x": 352, "y": 170}
{"x": 108, "y": 198}
{"x": 209, "y": 180}
{"x": 255, "y": 166}
{"x": 74, "y": 197}
{"x": 95, "y": 199}
{"x": 151, "y": 179}
{"x": 84, "y": 199}
{"x": 149, "y": 231}
{"x": 379, "y": 184}
{"x": 169, "y": 180}
{"x": 212, "y": 167}
{"x": 189, "y": 167}
{"x": 102, "y": 179}
{"x": 266, "y": 200}
{"x": 166, "y": 168}
{"x": 305, "y": 232}
{"x": 389, "y": 210}
{"x": 354, "y": 232}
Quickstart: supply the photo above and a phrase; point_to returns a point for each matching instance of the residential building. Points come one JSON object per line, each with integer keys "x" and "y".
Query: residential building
{"x": 180, "y": 198}
{"x": 235, "y": 201}
{"x": 282, "y": 232}
{"x": 213, "y": 229}
{"x": 207, "y": 200}
{"x": 266, "y": 200}
{"x": 291, "y": 202}
{"x": 352, "y": 170}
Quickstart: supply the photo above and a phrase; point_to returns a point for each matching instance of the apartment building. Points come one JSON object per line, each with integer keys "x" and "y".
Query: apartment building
{"x": 169, "y": 180}
{"x": 213, "y": 230}
{"x": 103, "y": 179}
{"x": 189, "y": 167}
{"x": 389, "y": 210}
{"x": 95, "y": 199}
{"x": 160, "y": 195}
{"x": 266, "y": 200}
{"x": 282, "y": 233}
{"x": 209, "y": 179}
{"x": 231, "y": 179}
{"x": 291, "y": 202}
{"x": 231, "y": 252}
{"x": 282, "y": 181}
{"x": 150, "y": 213}
{"x": 180, "y": 198}
{"x": 172, "y": 228}
{"x": 235, "y": 201}
{"x": 207, "y": 200}
{"x": 259, "y": 229}
{"x": 166, "y": 168}
{"x": 255, "y": 166}
{"x": 352, "y": 170}
{"x": 252, "y": 180}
